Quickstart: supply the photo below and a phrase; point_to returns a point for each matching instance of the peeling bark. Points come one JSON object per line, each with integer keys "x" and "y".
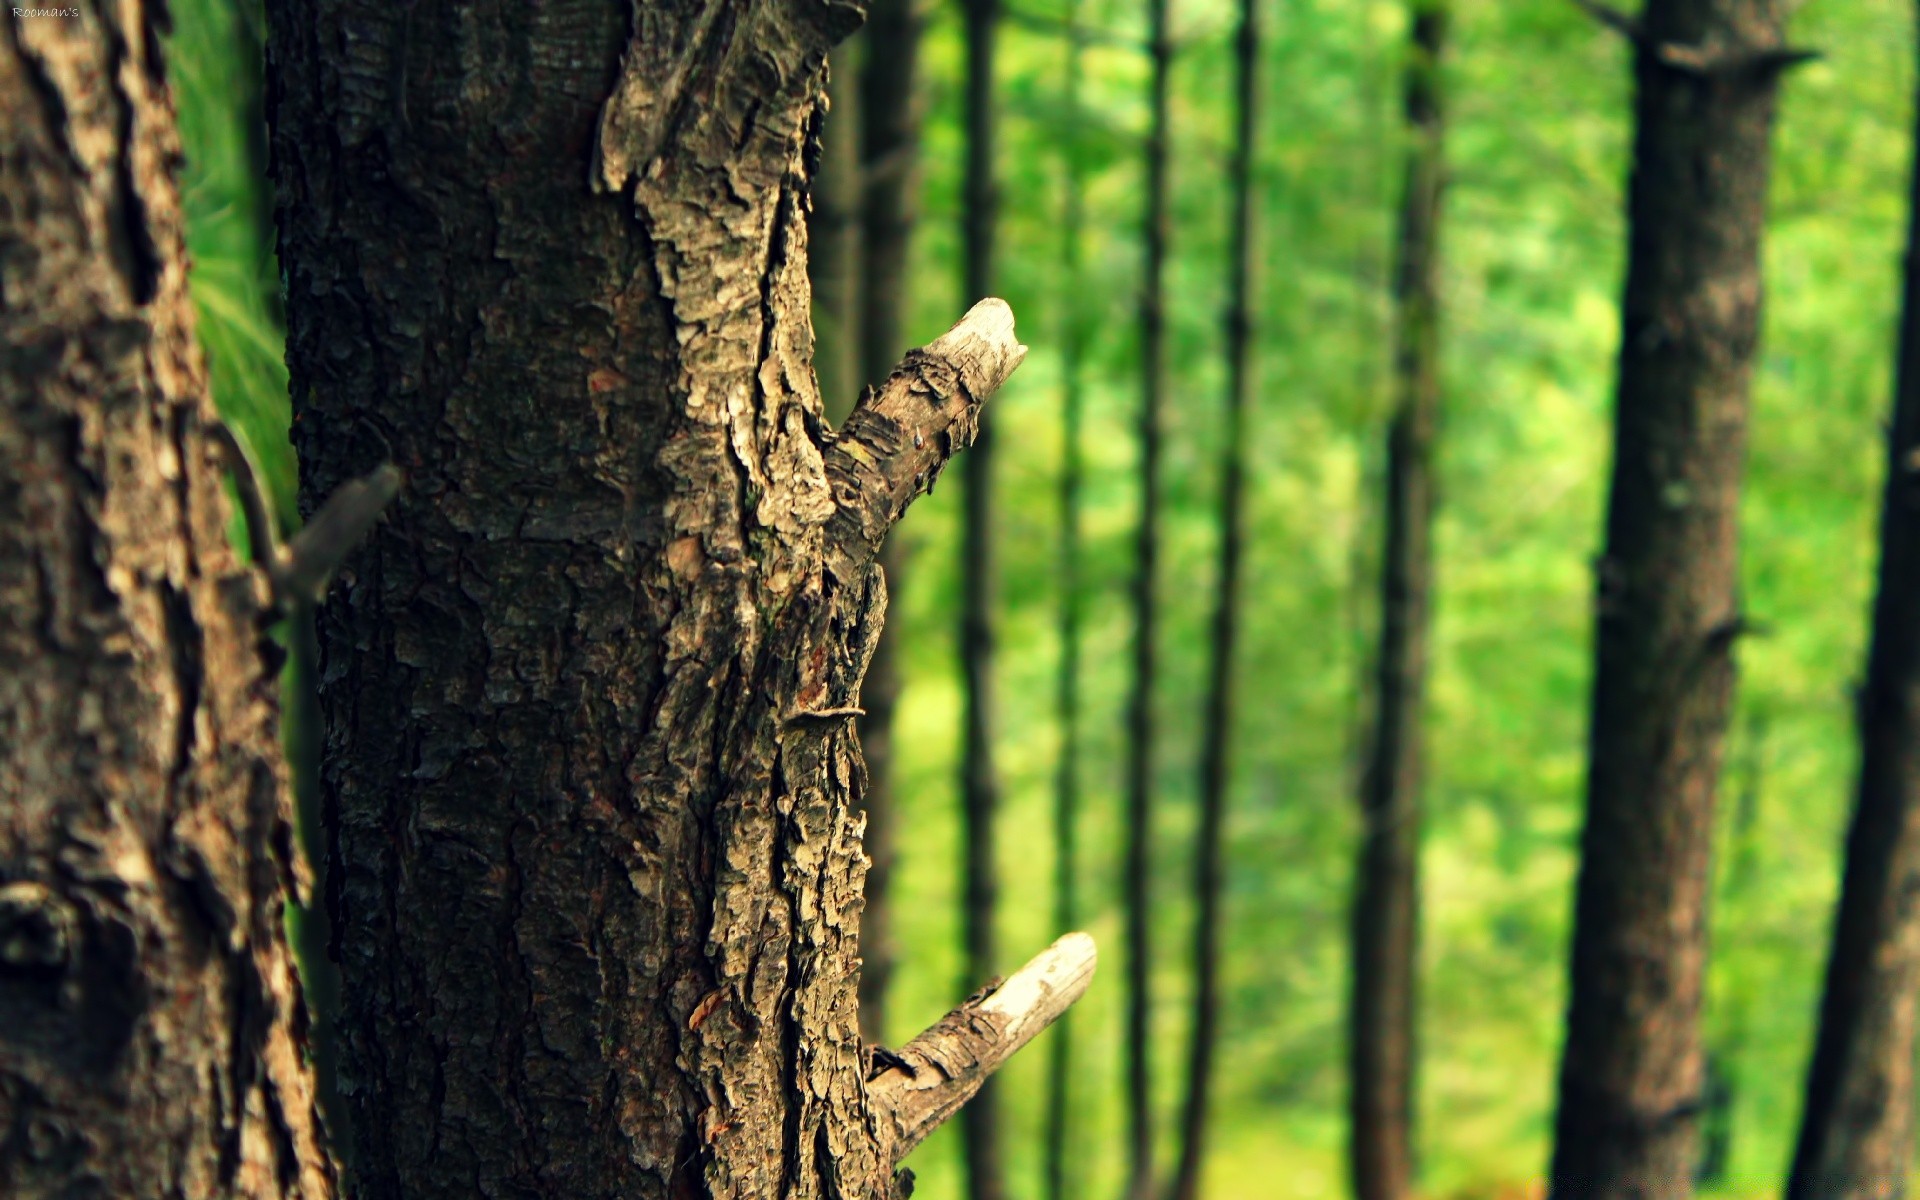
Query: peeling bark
{"x": 593, "y": 789}
{"x": 1667, "y": 611}
{"x": 152, "y": 1036}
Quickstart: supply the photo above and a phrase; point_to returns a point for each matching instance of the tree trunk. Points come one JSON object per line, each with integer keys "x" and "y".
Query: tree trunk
{"x": 833, "y": 239}
{"x": 1216, "y": 752}
{"x": 980, "y": 783}
{"x": 1066, "y": 797}
{"x": 1856, "y": 1136}
{"x": 1383, "y": 1015}
{"x": 593, "y": 789}
{"x": 889, "y": 149}
{"x": 151, "y": 1028}
{"x": 1139, "y": 867}
{"x": 1667, "y": 606}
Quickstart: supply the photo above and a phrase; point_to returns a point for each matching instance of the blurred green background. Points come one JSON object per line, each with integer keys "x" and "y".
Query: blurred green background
{"x": 1532, "y": 247}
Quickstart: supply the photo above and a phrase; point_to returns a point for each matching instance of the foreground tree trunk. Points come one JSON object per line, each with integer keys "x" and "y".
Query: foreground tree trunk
{"x": 1383, "y": 1015}
{"x": 151, "y": 1028}
{"x": 1856, "y": 1135}
{"x": 979, "y": 777}
{"x": 1136, "y": 883}
{"x": 1216, "y": 753}
{"x": 593, "y": 785}
{"x": 1668, "y": 608}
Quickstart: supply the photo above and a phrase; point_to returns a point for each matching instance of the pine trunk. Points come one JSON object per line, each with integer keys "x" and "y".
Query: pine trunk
{"x": 1383, "y": 1016}
{"x": 592, "y": 788}
{"x": 1856, "y": 1136}
{"x": 1668, "y": 613}
{"x": 151, "y": 1027}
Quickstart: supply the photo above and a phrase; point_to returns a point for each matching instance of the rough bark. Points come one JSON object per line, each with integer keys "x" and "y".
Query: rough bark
{"x": 979, "y": 782}
{"x": 1856, "y": 1134}
{"x": 1138, "y": 872}
{"x": 1066, "y": 791}
{"x": 1383, "y": 1014}
{"x": 593, "y": 788}
{"x": 1217, "y": 746}
{"x": 1667, "y": 610}
{"x": 889, "y": 150}
{"x": 151, "y": 1028}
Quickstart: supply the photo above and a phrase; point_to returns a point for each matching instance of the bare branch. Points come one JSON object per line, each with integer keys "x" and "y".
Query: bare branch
{"x": 919, "y": 1086}
{"x": 1703, "y": 61}
{"x": 897, "y": 440}
{"x": 300, "y": 574}
{"x": 253, "y": 501}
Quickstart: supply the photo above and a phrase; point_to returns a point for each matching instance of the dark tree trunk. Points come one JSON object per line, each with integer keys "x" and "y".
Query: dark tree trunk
{"x": 1137, "y": 880}
{"x": 1066, "y": 792}
{"x": 833, "y": 239}
{"x": 151, "y": 1028}
{"x": 980, "y": 783}
{"x": 1856, "y": 1136}
{"x": 1667, "y": 600}
{"x": 1217, "y": 750}
{"x": 593, "y": 789}
{"x": 889, "y": 150}
{"x": 1383, "y": 1017}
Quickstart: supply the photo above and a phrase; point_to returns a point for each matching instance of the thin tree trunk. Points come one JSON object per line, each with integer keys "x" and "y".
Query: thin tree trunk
{"x": 1668, "y": 604}
{"x": 1856, "y": 1135}
{"x": 1216, "y": 753}
{"x": 593, "y": 789}
{"x": 151, "y": 1027}
{"x": 1137, "y": 882}
{"x": 833, "y": 238}
{"x": 1066, "y": 792}
{"x": 1383, "y": 1015}
{"x": 890, "y": 145}
{"x": 980, "y": 784}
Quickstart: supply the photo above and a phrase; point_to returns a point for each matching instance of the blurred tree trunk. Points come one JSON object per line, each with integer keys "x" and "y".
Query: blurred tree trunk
{"x": 1856, "y": 1134}
{"x": 1383, "y": 1014}
{"x": 980, "y": 783}
{"x": 592, "y": 785}
{"x": 1667, "y": 597}
{"x": 889, "y": 152}
{"x": 1066, "y": 792}
{"x": 833, "y": 237}
{"x": 1137, "y": 880}
{"x": 151, "y": 1027}
{"x": 1216, "y": 754}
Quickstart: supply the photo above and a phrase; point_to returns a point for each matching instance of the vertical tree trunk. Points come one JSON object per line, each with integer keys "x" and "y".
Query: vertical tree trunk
{"x": 1216, "y": 753}
{"x": 889, "y": 147}
{"x": 151, "y": 1028}
{"x": 1668, "y": 606}
{"x": 980, "y": 784}
{"x": 1383, "y": 1016}
{"x": 593, "y": 790}
{"x": 833, "y": 238}
{"x": 1856, "y": 1135}
{"x": 1137, "y": 882}
{"x": 1066, "y": 792}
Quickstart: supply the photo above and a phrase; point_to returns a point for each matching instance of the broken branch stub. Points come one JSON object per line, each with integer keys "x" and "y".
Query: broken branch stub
{"x": 930, "y": 1078}
{"x": 897, "y": 440}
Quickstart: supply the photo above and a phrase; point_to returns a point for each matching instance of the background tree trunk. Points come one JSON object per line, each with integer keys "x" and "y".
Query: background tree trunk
{"x": 834, "y": 236}
{"x": 980, "y": 783}
{"x": 1383, "y": 1015}
{"x": 1856, "y": 1134}
{"x": 1066, "y": 792}
{"x": 593, "y": 791}
{"x": 1217, "y": 750}
{"x": 1137, "y": 883}
{"x": 151, "y": 1028}
{"x": 1668, "y": 606}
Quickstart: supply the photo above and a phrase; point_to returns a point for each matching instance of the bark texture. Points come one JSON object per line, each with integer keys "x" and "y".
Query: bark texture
{"x": 1667, "y": 603}
{"x": 1066, "y": 792}
{"x": 980, "y": 779}
{"x": 593, "y": 788}
{"x": 151, "y": 1028}
{"x": 1383, "y": 1014}
{"x": 1217, "y": 749}
{"x": 1856, "y": 1134}
{"x": 1136, "y": 883}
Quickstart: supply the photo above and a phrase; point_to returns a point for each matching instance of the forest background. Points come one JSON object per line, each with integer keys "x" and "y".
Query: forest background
{"x": 1532, "y": 252}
